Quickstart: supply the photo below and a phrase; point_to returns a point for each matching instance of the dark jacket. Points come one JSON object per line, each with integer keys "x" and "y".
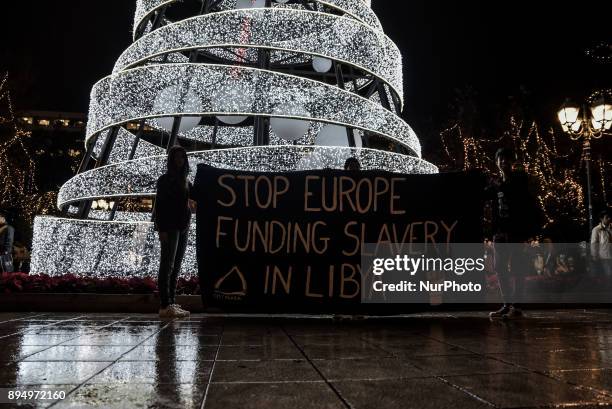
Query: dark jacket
{"x": 516, "y": 212}
{"x": 7, "y": 234}
{"x": 171, "y": 205}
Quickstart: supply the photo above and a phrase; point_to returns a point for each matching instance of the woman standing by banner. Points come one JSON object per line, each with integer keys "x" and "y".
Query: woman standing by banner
{"x": 172, "y": 217}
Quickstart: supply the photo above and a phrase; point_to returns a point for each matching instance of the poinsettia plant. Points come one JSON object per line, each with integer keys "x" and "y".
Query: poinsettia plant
{"x": 71, "y": 283}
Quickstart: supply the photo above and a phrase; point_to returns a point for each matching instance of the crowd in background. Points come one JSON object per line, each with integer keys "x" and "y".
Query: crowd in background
{"x": 546, "y": 259}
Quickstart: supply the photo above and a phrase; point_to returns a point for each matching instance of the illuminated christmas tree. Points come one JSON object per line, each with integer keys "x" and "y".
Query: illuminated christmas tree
{"x": 255, "y": 85}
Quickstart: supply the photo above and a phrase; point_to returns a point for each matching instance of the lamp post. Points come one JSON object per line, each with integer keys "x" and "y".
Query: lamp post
{"x": 590, "y": 122}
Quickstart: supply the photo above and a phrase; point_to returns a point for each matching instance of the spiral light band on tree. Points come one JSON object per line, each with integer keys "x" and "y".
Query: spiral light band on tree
{"x": 256, "y": 85}
{"x": 359, "y": 10}
{"x": 130, "y": 95}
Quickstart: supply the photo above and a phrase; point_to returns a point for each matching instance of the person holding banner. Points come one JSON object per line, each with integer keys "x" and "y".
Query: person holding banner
{"x": 172, "y": 218}
{"x": 516, "y": 219}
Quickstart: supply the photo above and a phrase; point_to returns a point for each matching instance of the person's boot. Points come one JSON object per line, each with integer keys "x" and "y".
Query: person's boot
{"x": 178, "y": 312}
{"x": 501, "y": 313}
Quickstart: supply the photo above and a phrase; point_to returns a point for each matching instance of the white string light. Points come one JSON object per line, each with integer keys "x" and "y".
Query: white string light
{"x": 357, "y": 9}
{"x": 123, "y": 146}
{"x": 130, "y": 95}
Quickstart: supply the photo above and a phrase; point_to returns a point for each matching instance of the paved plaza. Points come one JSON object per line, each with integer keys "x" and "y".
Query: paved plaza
{"x": 458, "y": 360}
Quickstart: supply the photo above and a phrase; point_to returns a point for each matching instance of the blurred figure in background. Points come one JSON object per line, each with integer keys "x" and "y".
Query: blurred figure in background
{"x": 7, "y": 234}
{"x": 549, "y": 256}
{"x": 21, "y": 258}
{"x": 601, "y": 244}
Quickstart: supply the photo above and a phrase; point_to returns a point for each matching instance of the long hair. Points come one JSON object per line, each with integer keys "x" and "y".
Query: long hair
{"x": 172, "y": 169}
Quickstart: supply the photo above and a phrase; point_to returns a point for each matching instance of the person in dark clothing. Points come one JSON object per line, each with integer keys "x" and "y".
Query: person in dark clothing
{"x": 516, "y": 219}
{"x": 7, "y": 234}
{"x": 172, "y": 218}
{"x": 549, "y": 258}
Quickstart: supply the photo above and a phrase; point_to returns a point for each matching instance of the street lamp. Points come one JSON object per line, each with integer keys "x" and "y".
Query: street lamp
{"x": 587, "y": 124}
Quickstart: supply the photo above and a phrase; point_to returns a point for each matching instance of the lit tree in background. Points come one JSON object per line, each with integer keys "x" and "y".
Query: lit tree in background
{"x": 470, "y": 144}
{"x": 19, "y": 193}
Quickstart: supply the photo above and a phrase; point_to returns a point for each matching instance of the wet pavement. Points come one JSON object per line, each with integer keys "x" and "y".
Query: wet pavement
{"x": 459, "y": 360}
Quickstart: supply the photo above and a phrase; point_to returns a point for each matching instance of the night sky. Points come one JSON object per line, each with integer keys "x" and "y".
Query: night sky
{"x": 56, "y": 50}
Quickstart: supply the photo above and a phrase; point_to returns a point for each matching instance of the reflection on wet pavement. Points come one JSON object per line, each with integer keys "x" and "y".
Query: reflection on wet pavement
{"x": 551, "y": 359}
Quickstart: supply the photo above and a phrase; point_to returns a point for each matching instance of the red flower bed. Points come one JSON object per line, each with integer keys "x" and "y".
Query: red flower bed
{"x": 70, "y": 283}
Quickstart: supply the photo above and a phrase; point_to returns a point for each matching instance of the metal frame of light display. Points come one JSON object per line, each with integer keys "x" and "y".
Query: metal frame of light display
{"x": 258, "y": 85}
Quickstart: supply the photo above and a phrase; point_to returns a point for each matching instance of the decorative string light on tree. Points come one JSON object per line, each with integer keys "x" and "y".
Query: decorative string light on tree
{"x": 18, "y": 187}
{"x": 270, "y": 86}
{"x": 605, "y": 184}
{"x": 561, "y": 192}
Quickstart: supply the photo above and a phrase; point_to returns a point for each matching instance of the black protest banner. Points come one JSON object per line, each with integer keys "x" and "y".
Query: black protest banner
{"x": 292, "y": 241}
